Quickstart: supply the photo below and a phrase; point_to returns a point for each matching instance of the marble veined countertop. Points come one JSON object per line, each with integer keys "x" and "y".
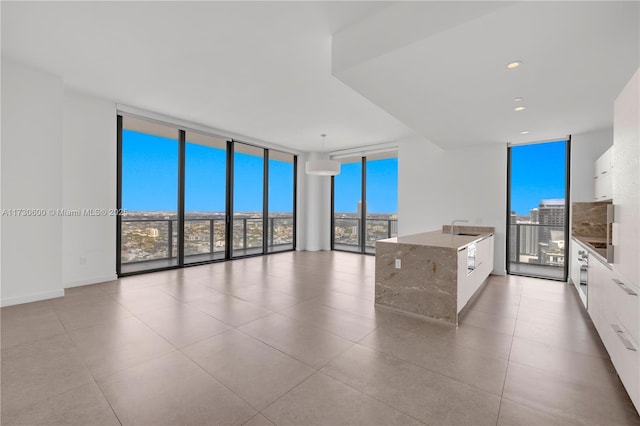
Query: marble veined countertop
{"x": 442, "y": 239}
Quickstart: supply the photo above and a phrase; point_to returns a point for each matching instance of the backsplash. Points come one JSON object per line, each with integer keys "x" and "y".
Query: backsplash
{"x": 589, "y": 219}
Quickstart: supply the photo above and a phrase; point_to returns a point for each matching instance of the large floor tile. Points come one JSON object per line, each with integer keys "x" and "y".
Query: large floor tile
{"x": 85, "y": 311}
{"x": 25, "y": 323}
{"x": 580, "y": 340}
{"x": 321, "y": 400}
{"x": 459, "y": 363}
{"x": 260, "y": 295}
{"x": 348, "y": 303}
{"x": 255, "y": 371}
{"x": 592, "y": 371}
{"x": 258, "y": 420}
{"x": 81, "y": 406}
{"x": 513, "y": 414}
{"x": 303, "y": 342}
{"x": 182, "y": 325}
{"x": 184, "y": 291}
{"x": 490, "y": 321}
{"x": 427, "y": 396}
{"x": 229, "y": 309}
{"x": 341, "y": 323}
{"x": 142, "y": 300}
{"x": 112, "y": 347}
{"x": 172, "y": 390}
{"x": 568, "y": 399}
{"x": 41, "y": 369}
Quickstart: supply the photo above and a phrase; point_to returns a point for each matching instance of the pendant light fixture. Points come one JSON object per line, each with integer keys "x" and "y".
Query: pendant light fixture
{"x": 323, "y": 167}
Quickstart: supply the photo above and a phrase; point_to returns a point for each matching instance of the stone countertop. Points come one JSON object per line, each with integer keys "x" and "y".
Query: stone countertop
{"x": 439, "y": 239}
{"x": 600, "y": 254}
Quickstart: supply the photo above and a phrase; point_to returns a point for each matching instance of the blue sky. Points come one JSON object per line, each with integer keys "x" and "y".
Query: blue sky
{"x": 150, "y": 179}
{"x": 537, "y": 172}
{"x": 382, "y": 186}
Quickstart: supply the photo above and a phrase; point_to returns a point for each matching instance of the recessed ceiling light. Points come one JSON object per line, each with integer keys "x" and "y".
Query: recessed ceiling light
{"x": 519, "y": 108}
{"x": 524, "y": 132}
{"x": 514, "y": 65}
{"x": 518, "y": 99}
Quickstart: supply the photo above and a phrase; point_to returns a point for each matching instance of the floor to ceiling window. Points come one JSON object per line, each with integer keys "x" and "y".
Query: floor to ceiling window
{"x": 281, "y": 225}
{"x": 192, "y": 197}
{"x": 149, "y": 175}
{"x": 538, "y": 197}
{"x": 248, "y": 200}
{"x": 365, "y": 202}
{"x": 204, "y": 198}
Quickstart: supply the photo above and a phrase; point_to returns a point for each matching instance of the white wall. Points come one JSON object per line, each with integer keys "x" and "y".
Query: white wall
{"x": 585, "y": 149}
{"x": 437, "y": 186}
{"x": 31, "y": 179}
{"x": 315, "y": 217}
{"x": 89, "y": 182}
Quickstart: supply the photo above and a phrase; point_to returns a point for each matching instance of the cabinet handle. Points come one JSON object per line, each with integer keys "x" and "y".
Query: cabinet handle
{"x": 603, "y": 172}
{"x": 624, "y": 287}
{"x": 627, "y": 344}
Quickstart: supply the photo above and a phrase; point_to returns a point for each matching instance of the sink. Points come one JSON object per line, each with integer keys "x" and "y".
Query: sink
{"x": 467, "y": 234}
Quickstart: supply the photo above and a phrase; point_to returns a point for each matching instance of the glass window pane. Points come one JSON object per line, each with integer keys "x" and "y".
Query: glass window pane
{"x": 280, "y": 224}
{"x": 248, "y": 192}
{"x": 537, "y": 221}
{"x": 348, "y": 205}
{"x": 382, "y": 199}
{"x": 150, "y": 194}
{"x": 204, "y": 198}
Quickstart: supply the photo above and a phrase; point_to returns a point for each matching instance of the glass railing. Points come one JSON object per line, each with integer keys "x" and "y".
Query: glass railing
{"x": 148, "y": 239}
{"x": 347, "y": 232}
{"x": 537, "y": 249}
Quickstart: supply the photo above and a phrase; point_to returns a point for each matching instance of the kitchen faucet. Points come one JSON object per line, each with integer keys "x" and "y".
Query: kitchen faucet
{"x": 453, "y": 223}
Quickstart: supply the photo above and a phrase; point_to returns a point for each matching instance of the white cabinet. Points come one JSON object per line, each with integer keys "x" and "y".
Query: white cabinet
{"x": 469, "y": 283}
{"x": 603, "y": 177}
{"x": 614, "y": 308}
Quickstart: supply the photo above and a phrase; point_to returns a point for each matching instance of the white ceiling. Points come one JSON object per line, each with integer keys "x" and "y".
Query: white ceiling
{"x": 260, "y": 69}
{"x": 264, "y": 69}
{"x": 449, "y": 82}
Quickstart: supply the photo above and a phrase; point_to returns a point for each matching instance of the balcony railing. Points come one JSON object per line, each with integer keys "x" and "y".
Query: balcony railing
{"x": 145, "y": 240}
{"x": 537, "y": 249}
{"x": 347, "y": 232}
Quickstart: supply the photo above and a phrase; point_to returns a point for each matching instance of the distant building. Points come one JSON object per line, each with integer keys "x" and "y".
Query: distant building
{"x": 154, "y": 233}
{"x": 551, "y": 213}
{"x": 534, "y": 215}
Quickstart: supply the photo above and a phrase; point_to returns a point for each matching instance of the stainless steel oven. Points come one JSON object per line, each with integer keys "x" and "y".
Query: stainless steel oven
{"x": 583, "y": 261}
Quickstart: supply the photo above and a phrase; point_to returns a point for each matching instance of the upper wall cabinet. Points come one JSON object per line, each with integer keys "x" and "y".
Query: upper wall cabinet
{"x": 603, "y": 177}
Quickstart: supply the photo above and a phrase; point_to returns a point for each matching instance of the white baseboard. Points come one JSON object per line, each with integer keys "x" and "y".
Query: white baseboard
{"x": 88, "y": 281}
{"x": 34, "y": 297}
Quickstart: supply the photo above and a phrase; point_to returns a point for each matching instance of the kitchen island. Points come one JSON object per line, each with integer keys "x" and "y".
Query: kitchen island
{"x": 433, "y": 274}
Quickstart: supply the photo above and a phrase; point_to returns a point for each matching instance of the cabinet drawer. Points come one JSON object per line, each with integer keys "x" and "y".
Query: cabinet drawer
{"x": 625, "y": 356}
{"x": 626, "y": 305}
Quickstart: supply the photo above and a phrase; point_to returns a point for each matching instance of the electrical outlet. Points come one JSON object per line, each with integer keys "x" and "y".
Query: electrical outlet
{"x": 398, "y": 263}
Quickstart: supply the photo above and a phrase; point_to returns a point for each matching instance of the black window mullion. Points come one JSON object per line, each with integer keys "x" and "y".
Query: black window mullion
{"x": 295, "y": 200}
{"x": 508, "y": 230}
{"x": 567, "y": 204}
{"x": 265, "y": 202}
{"x": 119, "y": 195}
{"x": 181, "y": 182}
{"x": 333, "y": 212}
{"x": 228, "y": 245}
{"x": 363, "y": 207}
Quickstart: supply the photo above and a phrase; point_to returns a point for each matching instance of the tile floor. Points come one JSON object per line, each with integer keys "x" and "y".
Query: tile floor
{"x": 294, "y": 339}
